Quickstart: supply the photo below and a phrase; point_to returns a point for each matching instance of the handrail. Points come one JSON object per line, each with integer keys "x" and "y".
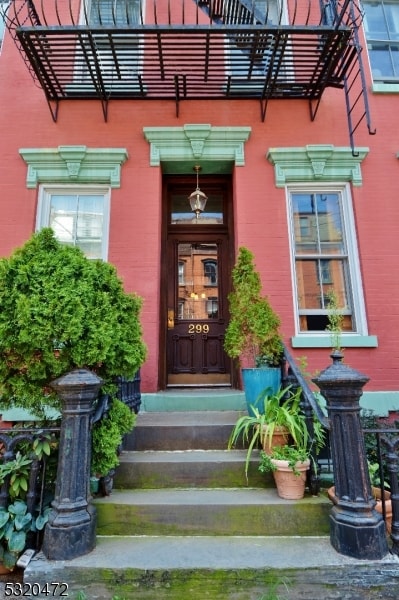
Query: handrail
{"x": 309, "y": 396}
{"x": 311, "y": 410}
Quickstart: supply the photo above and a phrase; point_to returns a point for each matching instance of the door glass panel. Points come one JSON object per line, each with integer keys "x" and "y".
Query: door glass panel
{"x": 197, "y": 281}
{"x": 182, "y": 215}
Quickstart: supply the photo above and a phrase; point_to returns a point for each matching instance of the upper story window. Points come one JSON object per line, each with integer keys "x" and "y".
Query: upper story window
{"x": 325, "y": 259}
{"x": 210, "y": 272}
{"x": 381, "y": 26}
{"x": 78, "y": 217}
{"x": 119, "y": 54}
{"x": 242, "y": 50}
{"x": 3, "y": 8}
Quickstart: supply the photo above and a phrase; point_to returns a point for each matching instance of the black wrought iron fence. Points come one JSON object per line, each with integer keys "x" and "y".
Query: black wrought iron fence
{"x": 28, "y": 470}
{"x": 382, "y": 449}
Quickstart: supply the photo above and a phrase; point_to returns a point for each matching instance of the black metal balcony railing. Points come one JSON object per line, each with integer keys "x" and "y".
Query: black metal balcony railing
{"x": 191, "y": 49}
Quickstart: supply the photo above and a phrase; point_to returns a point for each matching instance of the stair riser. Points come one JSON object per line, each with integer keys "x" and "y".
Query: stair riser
{"x": 274, "y": 520}
{"x": 330, "y": 583}
{"x": 193, "y": 401}
{"x": 177, "y": 437}
{"x": 214, "y": 475}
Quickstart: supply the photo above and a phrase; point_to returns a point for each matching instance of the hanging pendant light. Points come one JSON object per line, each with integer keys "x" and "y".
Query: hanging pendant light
{"x": 197, "y": 199}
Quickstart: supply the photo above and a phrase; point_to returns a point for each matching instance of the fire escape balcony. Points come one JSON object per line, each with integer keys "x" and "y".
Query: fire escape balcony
{"x": 187, "y": 49}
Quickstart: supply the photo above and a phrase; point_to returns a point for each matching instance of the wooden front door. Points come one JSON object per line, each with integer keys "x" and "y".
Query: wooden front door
{"x": 198, "y": 270}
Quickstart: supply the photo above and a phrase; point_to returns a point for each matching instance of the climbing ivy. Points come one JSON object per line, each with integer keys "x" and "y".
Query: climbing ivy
{"x": 60, "y": 311}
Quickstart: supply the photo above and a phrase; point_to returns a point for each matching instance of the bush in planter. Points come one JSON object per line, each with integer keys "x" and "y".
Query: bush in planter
{"x": 60, "y": 311}
{"x": 252, "y": 334}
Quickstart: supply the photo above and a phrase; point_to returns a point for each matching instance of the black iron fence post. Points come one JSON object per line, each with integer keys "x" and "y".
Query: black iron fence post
{"x": 392, "y": 446}
{"x": 70, "y": 531}
{"x": 356, "y": 529}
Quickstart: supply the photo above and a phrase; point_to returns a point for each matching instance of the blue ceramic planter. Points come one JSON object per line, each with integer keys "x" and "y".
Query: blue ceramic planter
{"x": 257, "y": 383}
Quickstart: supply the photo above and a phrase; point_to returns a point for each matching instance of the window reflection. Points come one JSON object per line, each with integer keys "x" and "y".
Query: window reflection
{"x": 181, "y": 214}
{"x": 198, "y": 281}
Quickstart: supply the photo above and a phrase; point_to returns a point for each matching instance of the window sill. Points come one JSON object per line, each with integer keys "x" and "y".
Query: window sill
{"x": 324, "y": 341}
{"x": 385, "y": 88}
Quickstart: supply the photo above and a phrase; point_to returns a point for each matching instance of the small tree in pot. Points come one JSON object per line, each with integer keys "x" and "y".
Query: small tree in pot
{"x": 252, "y": 336}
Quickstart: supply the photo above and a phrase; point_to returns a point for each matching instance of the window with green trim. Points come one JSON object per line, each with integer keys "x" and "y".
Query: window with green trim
{"x": 79, "y": 216}
{"x": 324, "y": 258}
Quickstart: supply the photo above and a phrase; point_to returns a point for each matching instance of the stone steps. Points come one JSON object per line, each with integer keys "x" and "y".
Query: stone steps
{"x": 218, "y": 568}
{"x": 183, "y": 523}
{"x": 189, "y": 468}
{"x": 174, "y": 430}
{"x": 204, "y": 511}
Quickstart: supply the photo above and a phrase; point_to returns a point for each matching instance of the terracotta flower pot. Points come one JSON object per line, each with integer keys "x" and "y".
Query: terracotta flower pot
{"x": 388, "y": 506}
{"x": 280, "y": 438}
{"x": 289, "y": 485}
{"x": 4, "y": 570}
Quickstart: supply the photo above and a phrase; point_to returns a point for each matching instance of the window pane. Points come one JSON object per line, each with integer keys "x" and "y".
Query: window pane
{"x": 110, "y": 12}
{"x": 317, "y": 224}
{"x": 195, "y": 302}
{"x": 78, "y": 220}
{"x": 392, "y": 17}
{"x": 313, "y": 291}
{"x": 375, "y": 24}
{"x": 380, "y": 61}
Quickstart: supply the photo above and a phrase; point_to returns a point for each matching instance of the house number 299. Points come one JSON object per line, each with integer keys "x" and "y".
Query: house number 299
{"x": 198, "y": 328}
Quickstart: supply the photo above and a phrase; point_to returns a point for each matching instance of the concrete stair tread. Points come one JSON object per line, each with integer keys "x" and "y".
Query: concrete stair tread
{"x": 205, "y": 496}
{"x": 206, "y": 552}
{"x": 182, "y": 418}
{"x": 202, "y": 456}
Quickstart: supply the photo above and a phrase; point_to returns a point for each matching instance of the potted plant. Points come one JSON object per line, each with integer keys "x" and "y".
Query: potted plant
{"x": 252, "y": 335}
{"x": 107, "y": 437}
{"x": 288, "y": 465}
{"x": 290, "y": 462}
{"x": 279, "y": 421}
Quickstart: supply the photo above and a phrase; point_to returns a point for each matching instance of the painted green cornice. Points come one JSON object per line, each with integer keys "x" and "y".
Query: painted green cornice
{"x": 196, "y": 142}
{"x": 74, "y": 164}
{"x": 316, "y": 163}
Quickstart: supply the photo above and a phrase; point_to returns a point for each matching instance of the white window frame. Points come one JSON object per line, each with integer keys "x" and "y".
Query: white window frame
{"x": 2, "y": 22}
{"x": 354, "y": 273}
{"x": 381, "y": 79}
{"x": 44, "y": 203}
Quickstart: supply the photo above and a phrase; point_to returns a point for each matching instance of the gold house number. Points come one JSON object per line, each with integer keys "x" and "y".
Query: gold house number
{"x": 198, "y": 328}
